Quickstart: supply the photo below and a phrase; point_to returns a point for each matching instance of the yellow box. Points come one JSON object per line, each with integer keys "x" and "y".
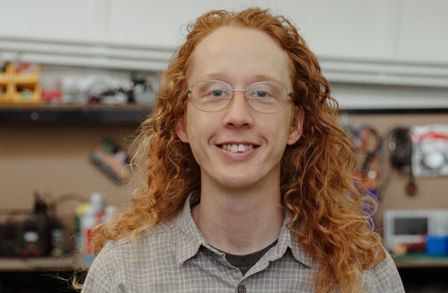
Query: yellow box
{"x": 20, "y": 88}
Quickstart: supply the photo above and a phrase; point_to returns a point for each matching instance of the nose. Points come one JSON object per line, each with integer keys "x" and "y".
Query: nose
{"x": 238, "y": 113}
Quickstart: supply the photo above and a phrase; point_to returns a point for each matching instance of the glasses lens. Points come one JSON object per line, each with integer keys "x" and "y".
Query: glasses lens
{"x": 263, "y": 97}
{"x": 211, "y": 95}
{"x": 267, "y": 97}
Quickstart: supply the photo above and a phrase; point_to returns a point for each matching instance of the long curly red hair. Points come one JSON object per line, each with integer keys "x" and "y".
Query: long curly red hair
{"x": 317, "y": 181}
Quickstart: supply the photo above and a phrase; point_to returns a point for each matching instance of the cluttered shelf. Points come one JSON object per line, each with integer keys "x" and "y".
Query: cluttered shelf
{"x": 74, "y": 114}
{"x": 67, "y": 263}
{"x": 420, "y": 261}
{"x": 105, "y": 114}
{"x": 35, "y": 94}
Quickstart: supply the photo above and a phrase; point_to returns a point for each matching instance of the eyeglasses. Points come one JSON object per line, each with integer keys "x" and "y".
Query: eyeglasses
{"x": 263, "y": 97}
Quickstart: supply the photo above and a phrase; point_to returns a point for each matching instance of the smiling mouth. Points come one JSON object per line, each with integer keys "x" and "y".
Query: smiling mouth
{"x": 237, "y": 148}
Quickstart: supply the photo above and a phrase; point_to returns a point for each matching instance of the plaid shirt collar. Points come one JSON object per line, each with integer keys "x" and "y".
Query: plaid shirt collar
{"x": 191, "y": 239}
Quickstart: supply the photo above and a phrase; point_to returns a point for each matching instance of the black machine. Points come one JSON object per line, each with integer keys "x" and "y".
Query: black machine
{"x": 30, "y": 236}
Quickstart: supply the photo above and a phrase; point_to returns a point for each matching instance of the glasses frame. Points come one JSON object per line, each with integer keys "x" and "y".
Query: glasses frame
{"x": 288, "y": 96}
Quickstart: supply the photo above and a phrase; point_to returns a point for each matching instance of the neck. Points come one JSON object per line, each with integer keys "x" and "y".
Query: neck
{"x": 240, "y": 222}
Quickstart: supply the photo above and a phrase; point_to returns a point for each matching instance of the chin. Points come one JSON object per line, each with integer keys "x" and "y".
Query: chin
{"x": 237, "y": 183}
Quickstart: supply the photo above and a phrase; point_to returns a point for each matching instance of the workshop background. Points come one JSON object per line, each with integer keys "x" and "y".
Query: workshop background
{"x": 77, "y": 78}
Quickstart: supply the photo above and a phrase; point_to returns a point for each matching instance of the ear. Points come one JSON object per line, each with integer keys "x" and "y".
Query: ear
{"x": 180, "y": 130}
{"x": 297, "y": 126}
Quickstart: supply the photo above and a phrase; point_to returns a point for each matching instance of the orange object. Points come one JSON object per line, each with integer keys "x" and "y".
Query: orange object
{"x": 20, "y": 85}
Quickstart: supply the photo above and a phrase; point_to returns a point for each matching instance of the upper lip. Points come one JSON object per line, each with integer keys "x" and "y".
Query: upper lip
{"x": 237, "y": 142}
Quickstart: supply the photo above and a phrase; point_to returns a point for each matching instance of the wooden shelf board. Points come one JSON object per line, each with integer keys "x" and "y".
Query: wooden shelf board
{"x": 39, "y": 264}
{"x": 73, "y": 114}
{"x": 420, "y": 261}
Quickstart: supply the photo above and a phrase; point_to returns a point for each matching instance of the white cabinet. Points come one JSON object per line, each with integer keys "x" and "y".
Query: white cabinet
{"x": 423, "y": 31}
{"x": 52, "y": 19}
{"x": 146, "y": 22}
{"x": 382, "y": 29}
{"x": 386, "y": 43}
{"x": 162, "y": 23}
{"x": 344, "y": 28}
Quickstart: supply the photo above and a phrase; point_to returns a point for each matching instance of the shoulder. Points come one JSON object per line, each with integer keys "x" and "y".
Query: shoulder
{"x": 122, "y": 259}
{"x": 155, "y": 239}
{"x": 383, "y": 277}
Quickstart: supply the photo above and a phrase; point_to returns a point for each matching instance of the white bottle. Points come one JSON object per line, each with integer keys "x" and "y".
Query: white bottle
{"x": 88, "y": 223}
{"x": 96, "y": 200}
{"x": 109, "y": 213}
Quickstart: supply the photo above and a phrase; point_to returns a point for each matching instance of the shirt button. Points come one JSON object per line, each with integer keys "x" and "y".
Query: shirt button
{"x": 241, "y": 289}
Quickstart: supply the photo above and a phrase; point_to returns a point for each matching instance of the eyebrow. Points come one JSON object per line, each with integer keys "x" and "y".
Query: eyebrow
{"x": 224, "y": 77}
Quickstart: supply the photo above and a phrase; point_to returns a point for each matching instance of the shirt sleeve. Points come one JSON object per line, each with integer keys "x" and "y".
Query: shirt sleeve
{"x": 99, "y": 278}
{"x": 384, "y": 277}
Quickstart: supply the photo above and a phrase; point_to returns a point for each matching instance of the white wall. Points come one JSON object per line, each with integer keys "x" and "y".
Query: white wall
{"x": 414, "y": 30}
{"x": 384, "y": 43}
{"x": 58, "y": 19}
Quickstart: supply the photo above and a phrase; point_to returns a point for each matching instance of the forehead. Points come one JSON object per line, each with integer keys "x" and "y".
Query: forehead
{"x": 239, "y": 54}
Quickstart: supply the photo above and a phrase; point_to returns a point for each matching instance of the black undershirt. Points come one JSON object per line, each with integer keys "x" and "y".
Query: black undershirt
{"x": 245, "y": 262}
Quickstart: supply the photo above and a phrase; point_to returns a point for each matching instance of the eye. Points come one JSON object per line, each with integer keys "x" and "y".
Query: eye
{"x": 261, "y": 94}
{"x": 266, "y": 91}
{"x": 214, "y": 90}
{"x": 216, "y": 93}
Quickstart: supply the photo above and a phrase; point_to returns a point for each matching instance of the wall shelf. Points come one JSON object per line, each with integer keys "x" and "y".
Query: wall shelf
{"x": 358, "y": 83}
{"x": 395, "y": 111}
{"x": 129, "y": 114}
{"x": 420, "y": 261}
{"x": 39, "y": 264}
{"x": 73, "y": 114}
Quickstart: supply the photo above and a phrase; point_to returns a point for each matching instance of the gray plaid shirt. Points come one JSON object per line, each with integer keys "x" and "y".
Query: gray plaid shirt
{"x": 175, "y": 257}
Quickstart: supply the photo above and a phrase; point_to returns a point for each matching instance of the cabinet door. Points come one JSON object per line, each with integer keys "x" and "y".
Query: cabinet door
{"x": 348, "y": 28}
{"x": 423, "y": 30}
{"x": 156, "y": 23}
{"x": 52, "y": 19}
{"x": 343, "y": 28}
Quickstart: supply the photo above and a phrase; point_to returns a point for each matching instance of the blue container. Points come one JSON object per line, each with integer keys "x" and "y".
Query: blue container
{"x": 437, "y": 245}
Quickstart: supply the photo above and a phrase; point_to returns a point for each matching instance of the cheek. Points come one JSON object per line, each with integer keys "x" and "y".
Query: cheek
{"x": 199, "y": 126}
{"x": 279, "y": 127}
{"x": 190, "y": 121}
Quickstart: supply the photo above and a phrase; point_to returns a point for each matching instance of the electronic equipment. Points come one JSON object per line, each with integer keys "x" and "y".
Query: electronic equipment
{"x": 400, "y": 149}
{"x": 430, "y": 150}
{"x": 36, "y": 230}
{"x": 31, "y": 233}
{"x": 10, "y": 238}
{"x": 413, "y": 226}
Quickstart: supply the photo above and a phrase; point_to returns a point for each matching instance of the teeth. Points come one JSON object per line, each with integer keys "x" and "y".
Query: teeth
{"x": 237, "y": 148}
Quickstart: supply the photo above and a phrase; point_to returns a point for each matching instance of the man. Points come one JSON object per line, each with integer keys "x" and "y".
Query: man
{"x": 249, "y": 177}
